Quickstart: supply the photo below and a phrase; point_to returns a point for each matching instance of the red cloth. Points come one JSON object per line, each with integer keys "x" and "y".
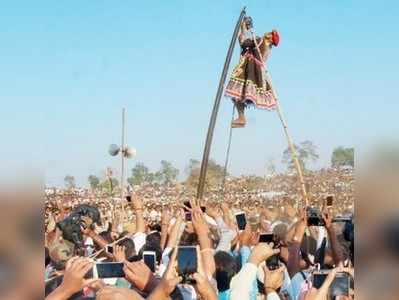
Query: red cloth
{"x": 275, "y": 38}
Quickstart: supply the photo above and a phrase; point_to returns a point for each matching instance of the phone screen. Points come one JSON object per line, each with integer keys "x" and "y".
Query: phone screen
{"x": 149, "y": 260}
{"x": 340, "y": 285}
{"x": 129, "y": 198}
{"x": 188, "y": 216}
{"x": 318, "y": 280}
{"x": 266, "y": 238}
{"x": 186, "y": 261}
{"x": 110, "y": 270}
{"x": 241, "y": 221}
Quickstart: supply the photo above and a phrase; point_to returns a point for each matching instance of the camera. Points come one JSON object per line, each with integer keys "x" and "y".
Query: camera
{"x": 314, "y": 217}
{"x": 72, "y": 225}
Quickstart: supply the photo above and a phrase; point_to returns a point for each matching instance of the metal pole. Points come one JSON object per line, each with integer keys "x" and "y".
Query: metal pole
{"x": 212, "y": 122}
{"x": 123, "y": 146}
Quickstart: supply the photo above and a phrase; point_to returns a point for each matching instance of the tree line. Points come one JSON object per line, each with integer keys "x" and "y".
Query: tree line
{"x": 167, "y": 173}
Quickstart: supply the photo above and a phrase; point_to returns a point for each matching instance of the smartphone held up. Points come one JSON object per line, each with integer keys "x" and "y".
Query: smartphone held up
{"x": 187, "y": 262}
{"x": 241, "y": 220}
{"x": 149, "y": 258}
{"x": 106, "y": 270}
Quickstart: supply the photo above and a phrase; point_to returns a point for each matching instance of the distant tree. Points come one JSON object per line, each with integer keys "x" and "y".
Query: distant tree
{"x": 69, "y": 181}
{"x": 157, "y": 177}
{"x": 94, "y": 181}
{"x": 110, "y": 184}
{"x": 167, "y": 173}
{"x": 253, "y": 183}
{"x": 140, "y": 174}
{"x": 343, "y": 157}
{"x": 192, "y": 165}
{"x": 214, "y": 174}
{"x": 271, "y": 167}
{"x": 306, "y": 151}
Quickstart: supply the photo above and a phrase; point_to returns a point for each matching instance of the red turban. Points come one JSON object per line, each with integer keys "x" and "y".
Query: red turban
{"x": 275, "y": 38}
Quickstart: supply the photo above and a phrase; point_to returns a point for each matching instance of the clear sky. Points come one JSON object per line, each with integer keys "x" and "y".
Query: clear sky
{"x": 68, "y": 67}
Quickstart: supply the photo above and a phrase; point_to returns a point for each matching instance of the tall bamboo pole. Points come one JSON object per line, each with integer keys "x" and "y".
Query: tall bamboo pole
{"x": 285, "y": 126}
{"x": 290, "y": 142}
{"x": 212, "y": 122}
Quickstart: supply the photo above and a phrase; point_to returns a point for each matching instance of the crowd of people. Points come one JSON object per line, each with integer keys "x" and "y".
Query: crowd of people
{"x": 246, "y": 242}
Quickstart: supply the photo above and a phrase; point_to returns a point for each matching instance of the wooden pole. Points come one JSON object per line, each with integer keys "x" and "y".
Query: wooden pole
{"x": 290, "y": 143}
{"x": 212, "y": 122}
{"x": 285, "y": 126}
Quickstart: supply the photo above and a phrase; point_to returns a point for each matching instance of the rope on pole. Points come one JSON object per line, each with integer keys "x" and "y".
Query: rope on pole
{"x": 226, "y": 162}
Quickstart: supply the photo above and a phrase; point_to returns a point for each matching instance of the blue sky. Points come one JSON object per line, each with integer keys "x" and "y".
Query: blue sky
{"x": 67, "y": 69}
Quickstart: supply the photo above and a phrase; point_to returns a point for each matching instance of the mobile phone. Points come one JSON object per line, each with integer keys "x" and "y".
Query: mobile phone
{"x": 134, "y": 258}
{"x": 241, "y": 220}
{"x": 109, "y": 249}
{"x": 188, "y": 216}
{"x": 188, "y": 204}
{"x": 273, "y": 262}
{"x": 106, "y": 270}
{"x": 266, "y": 238}
{"x": 186, "y": 262}
{"x": 329, "y": 201}
{"x": 129, "y": 198}
{"x": 339, "y": 287}
{"x": 318, "y": 278}
{"x": 314, "y": 217}
{"x": 149, "y": 258}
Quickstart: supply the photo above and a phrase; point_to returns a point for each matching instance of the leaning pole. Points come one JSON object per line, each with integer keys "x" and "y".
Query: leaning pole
{"x": 215, "y": 110}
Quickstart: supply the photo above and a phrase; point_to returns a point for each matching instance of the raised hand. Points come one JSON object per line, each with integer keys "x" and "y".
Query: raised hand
{"x": 213, "y": 211}
{"x": 169, "y": 280}
{"x": 327, "y": 217}
{"x": 165, "y": 217}
{"x": 137, "y": 203}
{"x": 261, "y": 252}
{"x": 75, "y": 271}
{"x": 119, "y": 253}
{"x": 290, "y": 211}
{"x": 138, "y": 274}
{"x": 245, "y": 236}
{"x": 273, "y": 279}
{"x": 198, "y": 220}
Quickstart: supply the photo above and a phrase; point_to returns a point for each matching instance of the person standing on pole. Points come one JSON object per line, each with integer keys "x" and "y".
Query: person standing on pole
{"x": 247, "y": 85}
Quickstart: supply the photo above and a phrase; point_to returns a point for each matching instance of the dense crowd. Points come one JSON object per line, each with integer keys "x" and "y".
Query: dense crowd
{"x": 242, "y": 242}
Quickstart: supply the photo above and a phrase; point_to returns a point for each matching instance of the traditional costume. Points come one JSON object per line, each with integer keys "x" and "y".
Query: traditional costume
{"x": 247, "y": 84}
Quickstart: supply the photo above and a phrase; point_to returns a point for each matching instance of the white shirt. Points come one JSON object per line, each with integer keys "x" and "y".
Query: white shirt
{"x": 138, "y": 240}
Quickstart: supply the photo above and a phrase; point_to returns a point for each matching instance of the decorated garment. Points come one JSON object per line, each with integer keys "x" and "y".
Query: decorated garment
{"x": 247, "y": 84}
